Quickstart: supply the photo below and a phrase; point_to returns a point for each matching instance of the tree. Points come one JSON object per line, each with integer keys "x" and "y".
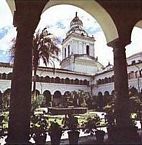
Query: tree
{"x": 45, "y": 48}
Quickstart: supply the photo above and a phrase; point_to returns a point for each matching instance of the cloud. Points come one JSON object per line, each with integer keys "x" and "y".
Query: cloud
{"x": 4, "y": 56}
{"x": 92, "y": 30}
{"x": 5, "y": 41}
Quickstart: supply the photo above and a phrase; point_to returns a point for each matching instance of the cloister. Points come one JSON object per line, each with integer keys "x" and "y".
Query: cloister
{"x": 116, "y": 18}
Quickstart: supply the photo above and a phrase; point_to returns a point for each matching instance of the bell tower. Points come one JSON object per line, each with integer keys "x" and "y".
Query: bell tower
{"x": 77, "y": 47}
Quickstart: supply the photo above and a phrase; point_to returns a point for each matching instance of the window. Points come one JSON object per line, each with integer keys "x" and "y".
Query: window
{"x": 68, "y": 50}
{"x": 65, "y": 52}
{"x": 87, "y": 49}
{"x": 133, "y": 62}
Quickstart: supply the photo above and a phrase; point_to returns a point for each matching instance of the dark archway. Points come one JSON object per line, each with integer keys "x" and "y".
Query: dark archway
{"x": 100, "y": 101}
{"x": 57, "y": 99}
{"x": 57, "y": 80}
{"x": 6, "y": 99}
{"x": 67, "y": 81}
{"x": 47, "y": 98}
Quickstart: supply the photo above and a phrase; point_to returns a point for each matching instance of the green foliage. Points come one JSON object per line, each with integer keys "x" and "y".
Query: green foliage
{"x": 79, "y": 98}
{"x": 91, "y": 123}
{"x": 39, "y": 124}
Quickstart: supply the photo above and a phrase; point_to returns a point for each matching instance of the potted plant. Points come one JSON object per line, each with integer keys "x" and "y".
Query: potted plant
{"x": 73, "y": 133}
{"x": 55, "y": 133}
{"x": 39, "y": 126}
{"x": 91, "y": 127}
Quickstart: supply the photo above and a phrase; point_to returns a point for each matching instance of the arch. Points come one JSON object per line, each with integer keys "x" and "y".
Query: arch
{"x": 57, "y": 99}
{"x": 106, "y": 93}
{"x": 99, "y": 81}
{"x": 76, "y": 81}
{"x": 81, "y": 82}
{"x": 6, "y": 99}
{"x": 52, "y": 80}
{"x": 105, "y": 80}
{"x": 98, "y": 12}
{"x": 9, "y": 76}
{"x": 100, "y": 94}
{"x": 4, "y": 76}
{"x": 67, "y": 93}
{"x": 67, "y": 81}
{"x": 112, "y": 92}
{"x": 109, "y": 80}
{"x": 72, "y": 81}
{"x": 47, "y": 98}
{"x": 47, "y": 79}
{"x": 87, "y": 50}
{"x": 85, "y": 82}
{"x": 57, "y": 80}
{"x": 100, "y": 101}
{"x": 62, "y": 80}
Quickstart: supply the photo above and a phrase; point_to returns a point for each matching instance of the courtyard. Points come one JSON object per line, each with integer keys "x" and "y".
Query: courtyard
{"x": 83, "y": 100}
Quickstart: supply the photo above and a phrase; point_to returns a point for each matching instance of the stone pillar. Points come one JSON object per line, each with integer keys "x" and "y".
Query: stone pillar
{"x": 121, "y": 84}
{"x": 123, "y": 132}
{"x": 26, "y": 18}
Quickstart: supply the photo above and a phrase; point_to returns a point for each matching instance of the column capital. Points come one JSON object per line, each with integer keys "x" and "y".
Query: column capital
{"x": 119, "y": 43}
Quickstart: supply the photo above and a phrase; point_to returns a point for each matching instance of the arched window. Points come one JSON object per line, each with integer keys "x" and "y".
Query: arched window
{"x": 76, "y": 81}
{"x": 67, "y": 81}
{"x": 106, "y": 93}
{"x": 57, "y": 80}
{"x": 47, "y": 98}
{"x": 65, "y": 52}
{"x": 4, "y": 76}
{"x": 62, "y": 81}
{"x": 6, "y": 99}
{"x": 52, "y": 80}
{"x": 47, "y": 79}
{"x": 105, "y": 80}
{"x": 68, "y": 50}
{"x": 85, "y": 82}
{"x": 9, "y": 76}
{"x": 57, "y": 98}
{"x": 87, "y": 50}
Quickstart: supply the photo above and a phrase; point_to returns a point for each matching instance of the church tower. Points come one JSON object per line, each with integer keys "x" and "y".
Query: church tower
{"x": 78, "y": 51}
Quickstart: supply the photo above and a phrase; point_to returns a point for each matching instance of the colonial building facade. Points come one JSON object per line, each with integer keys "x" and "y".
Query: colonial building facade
{"x": 80, "y": 69}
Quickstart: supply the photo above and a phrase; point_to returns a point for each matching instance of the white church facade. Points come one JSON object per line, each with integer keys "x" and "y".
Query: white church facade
{"x": 80, "y": 69}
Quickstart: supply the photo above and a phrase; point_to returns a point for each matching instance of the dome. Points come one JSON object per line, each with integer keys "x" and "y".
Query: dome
{"x": 76, "y": 22}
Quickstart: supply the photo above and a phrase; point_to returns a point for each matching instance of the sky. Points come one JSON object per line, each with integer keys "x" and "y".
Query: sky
{"x": 57, "y": 19}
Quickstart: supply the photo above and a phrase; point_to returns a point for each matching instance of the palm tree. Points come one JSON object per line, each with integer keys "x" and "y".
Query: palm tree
{"x": 45, "y": 48}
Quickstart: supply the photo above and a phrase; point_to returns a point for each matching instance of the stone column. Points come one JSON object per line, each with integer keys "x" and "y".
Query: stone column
{"x": 123, "y": 132}
{"x": 121, "y": 84}
{"x": 26, "y": 18}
